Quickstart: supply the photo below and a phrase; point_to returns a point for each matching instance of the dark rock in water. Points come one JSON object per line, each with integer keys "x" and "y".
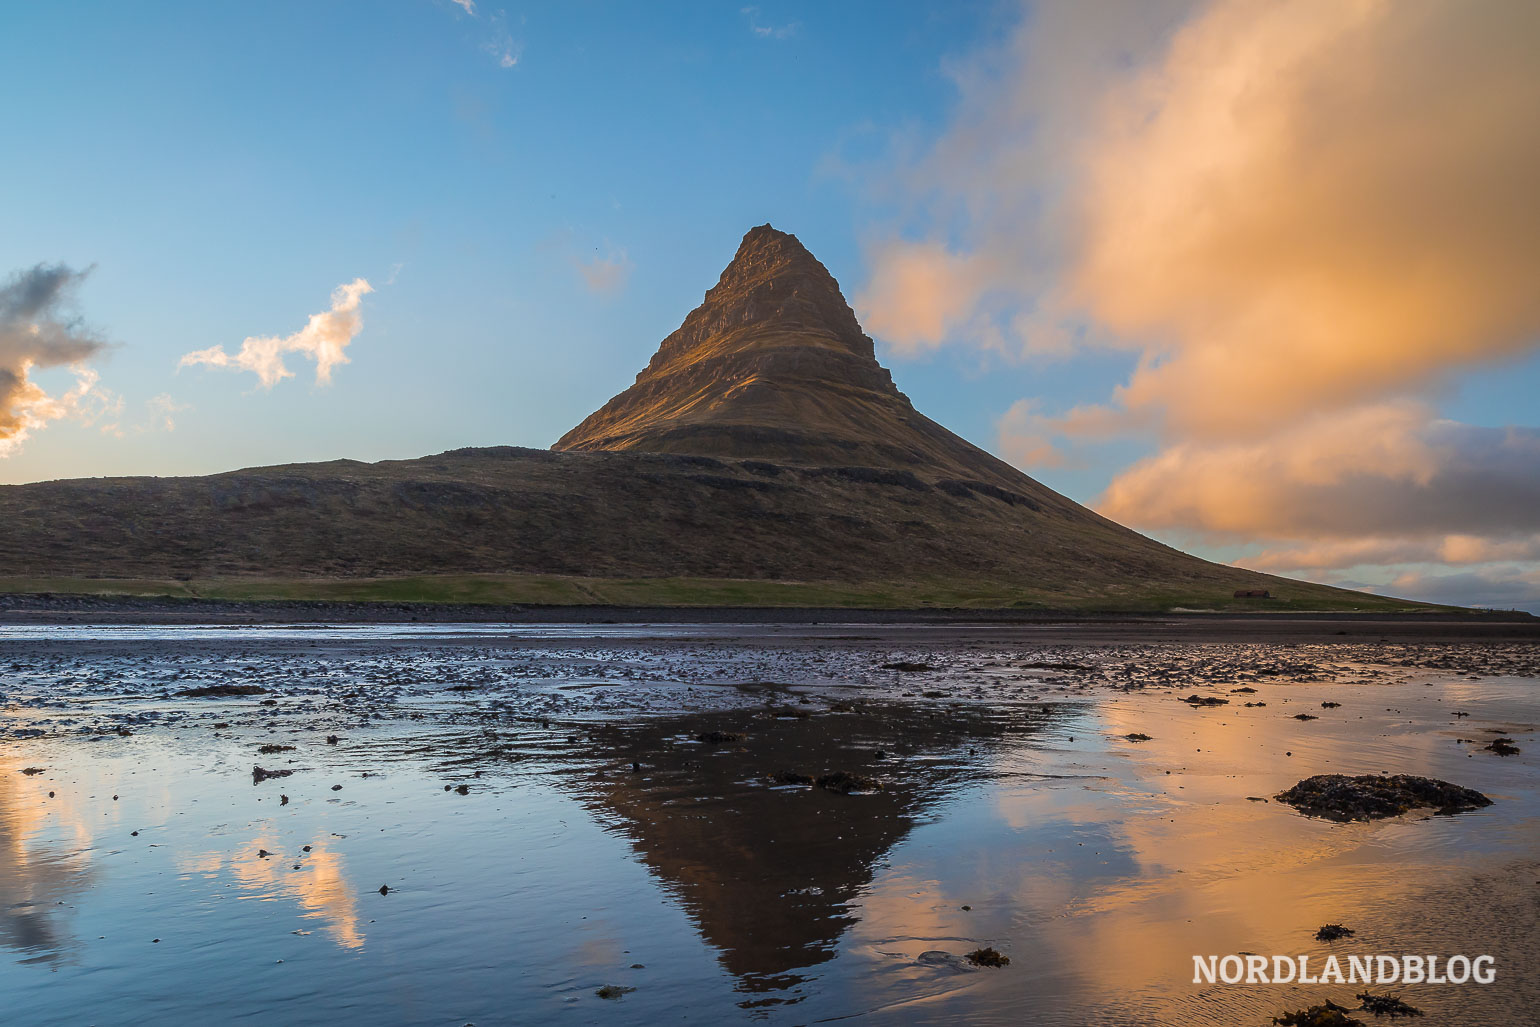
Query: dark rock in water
{"x": 1137, "y": 736}
{"x": 718, "y": 737}
{"x": 258, "y": 775}
{"x": 217, "y": 691}
{"x": 269, "y": 749}
{"x": 336, "y": 788}
{"x": 845, "y": 784}
{"x": 1333, "y": 932}
{"x": 947, "y": 960}
{"x": 1367, "y": 797}
{"x": 1306, "y": 716}
{"x": 613, "y": 991}
{"x": 283, "y": 800}
{"x": 263, "y": 854}
{"x": 464, "y": 789}
{"x": 1206, "y": 700}
{"x": 1503, "y": 747}
{"x": 1328, "y": 1014}
{"x": 1246, "y": 689}
{"x": 988, "y": 957}
{"x": 907, "y": 667}
{"x": 384, "y": 889}
{"x": 791, "y": 777}
{"x": 29, "y": 771}
{"x": 1386, "y": 1005}
{"x": 331, "y": 739}
{"x": 1330, "y": 705}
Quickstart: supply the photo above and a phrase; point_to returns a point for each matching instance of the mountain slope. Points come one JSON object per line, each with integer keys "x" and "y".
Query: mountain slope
{"x": 763, "y": 457}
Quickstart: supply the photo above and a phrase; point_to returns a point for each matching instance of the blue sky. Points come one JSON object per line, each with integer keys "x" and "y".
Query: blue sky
{"x": 222, "y": 168}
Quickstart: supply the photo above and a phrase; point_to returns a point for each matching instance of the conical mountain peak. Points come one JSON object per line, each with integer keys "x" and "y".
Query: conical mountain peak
{"x": 773, "y": 365}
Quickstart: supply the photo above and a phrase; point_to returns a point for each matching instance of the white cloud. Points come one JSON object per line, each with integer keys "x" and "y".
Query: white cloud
{"x": 324, "y": 339}
{"x": 764, "y": 31}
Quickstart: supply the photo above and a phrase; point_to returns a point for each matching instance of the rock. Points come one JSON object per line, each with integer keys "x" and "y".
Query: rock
{"x": 1137, "y": 736}
{"x": 613, "y": 991}
{"x": 1368, "y": 797}
{"x": 220, "y": 691}
{"x": 1333, "y": 932}
{"x": 384, "y": 889}
{"x": 1205, "y": 700}
{"x": 847, "y": 784}
{"x": 336, "y": 788}
{"x": 988, "y": 957}
{"x": 258, "y": 774}
{"x": 270, "y": 748}
{"x": 1328, "y": 1014}
{"x": 1502, "y": 746}
{"x": 30, "y": 771}
{"x": 907, "y": 667}
{"x": 1306, "y": 716}
{"x": 718, "y": 737}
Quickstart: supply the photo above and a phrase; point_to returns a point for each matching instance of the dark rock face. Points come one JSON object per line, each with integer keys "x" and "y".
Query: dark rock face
{"x": 773, "y": 364}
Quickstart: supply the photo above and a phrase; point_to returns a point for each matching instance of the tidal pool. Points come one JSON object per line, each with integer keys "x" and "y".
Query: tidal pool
{"x": 514, "y": 822}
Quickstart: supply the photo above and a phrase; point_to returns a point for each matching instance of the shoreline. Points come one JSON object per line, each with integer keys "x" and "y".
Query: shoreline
{"x": 66, "y": 609}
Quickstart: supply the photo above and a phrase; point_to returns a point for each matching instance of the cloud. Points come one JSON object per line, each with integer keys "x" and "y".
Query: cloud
{"x": 1278, "y": 207}
{"x": 163, "y": 411}
{"x": 468, "y": 6}
{"x": 501, "y": 44}
{"x": 1301, "y": 222}
{"x": 1022, "y": 438}
{"x": 763, "y": 31}
{"x": 605, "y": 274}
{"x": 1387, "y": 470}
{"x": 324, "y": 339}
{"x": 1515, "y": 588}
{"x": 38, "y": 330}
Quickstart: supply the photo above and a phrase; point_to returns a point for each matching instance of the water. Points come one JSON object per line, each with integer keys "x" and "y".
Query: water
{"x": 1014, "y": 814}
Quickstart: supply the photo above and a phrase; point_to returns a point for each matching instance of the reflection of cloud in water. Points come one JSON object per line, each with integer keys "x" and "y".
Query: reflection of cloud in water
{"x": 34, "y": 880}
{"x": 320, "y": 886}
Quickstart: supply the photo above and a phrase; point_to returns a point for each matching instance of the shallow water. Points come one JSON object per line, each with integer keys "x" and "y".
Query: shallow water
{"x": 599, "y": 842}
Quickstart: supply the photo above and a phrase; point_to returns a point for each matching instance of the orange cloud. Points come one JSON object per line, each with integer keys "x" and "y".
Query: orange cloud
{"x": 1301, "y": 220}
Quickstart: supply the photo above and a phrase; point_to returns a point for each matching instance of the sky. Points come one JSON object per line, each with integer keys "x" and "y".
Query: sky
{"x": 1261, "y": 280}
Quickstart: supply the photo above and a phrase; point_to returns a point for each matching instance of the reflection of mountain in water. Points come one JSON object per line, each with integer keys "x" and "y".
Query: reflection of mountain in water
{"x": 767, "y": 871}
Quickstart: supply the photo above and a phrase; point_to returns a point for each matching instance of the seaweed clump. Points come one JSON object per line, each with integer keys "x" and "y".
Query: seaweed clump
{"x": 1327, "y": 1014}
{"x": 1205, "y": 700}
{"x": 1387, "y": 1005}
{"x": 988, "y": 957}
{"x": 1368, "y": 797}
{"x": 1334, "y": 932}
{"x": 845, "y": 784}
{"x": 1503, "y": 747}
{"x": 1137, "y": 736}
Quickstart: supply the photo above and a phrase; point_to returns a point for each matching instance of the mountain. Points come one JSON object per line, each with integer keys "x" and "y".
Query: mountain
{"x": 763, "y": 457}
{"x": 774, "y": 366}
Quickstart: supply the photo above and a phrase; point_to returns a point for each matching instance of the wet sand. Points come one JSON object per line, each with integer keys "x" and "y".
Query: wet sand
{"x": 635, "y": 814}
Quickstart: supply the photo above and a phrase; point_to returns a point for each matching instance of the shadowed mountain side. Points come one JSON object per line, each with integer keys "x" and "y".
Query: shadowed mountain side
{"x": 605, "y": 515}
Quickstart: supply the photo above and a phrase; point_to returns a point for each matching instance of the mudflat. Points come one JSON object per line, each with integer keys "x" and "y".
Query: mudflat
{"x": 786, "y": 822}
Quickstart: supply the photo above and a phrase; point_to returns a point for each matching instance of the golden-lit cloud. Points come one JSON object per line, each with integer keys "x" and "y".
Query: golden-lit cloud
{"x": 324, "y": 339}
{"x": 1300, "y": 221}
